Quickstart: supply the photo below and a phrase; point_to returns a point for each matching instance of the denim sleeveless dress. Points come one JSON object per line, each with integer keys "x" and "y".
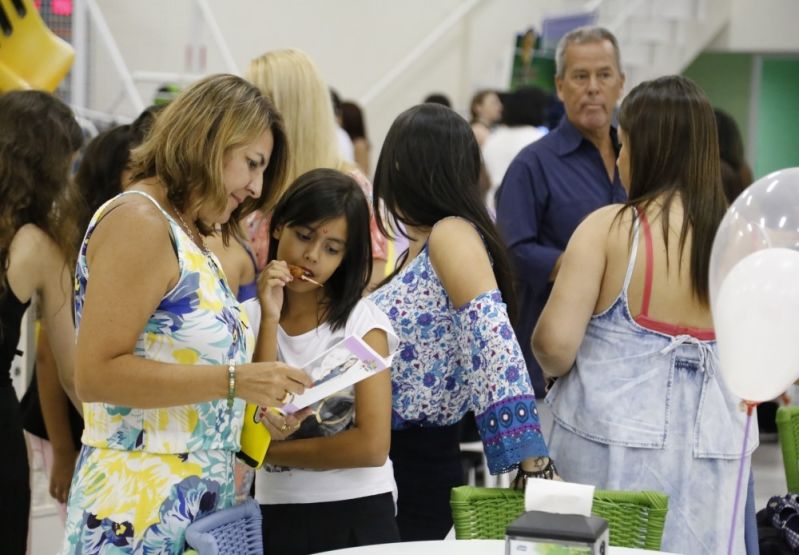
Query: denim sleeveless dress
{"x": 644, "y": 410}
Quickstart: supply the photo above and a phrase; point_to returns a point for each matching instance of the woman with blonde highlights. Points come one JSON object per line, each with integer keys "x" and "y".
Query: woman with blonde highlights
{"x": 164, "y": 349}
{"x": 293, "y": 82}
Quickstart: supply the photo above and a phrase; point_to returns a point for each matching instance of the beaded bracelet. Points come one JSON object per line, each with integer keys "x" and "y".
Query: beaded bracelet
{"x": 547, "y": 473}
{"x": 231, "y": 384}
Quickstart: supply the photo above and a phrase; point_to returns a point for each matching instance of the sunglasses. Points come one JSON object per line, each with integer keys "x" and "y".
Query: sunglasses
{"x": 334, "y": 409}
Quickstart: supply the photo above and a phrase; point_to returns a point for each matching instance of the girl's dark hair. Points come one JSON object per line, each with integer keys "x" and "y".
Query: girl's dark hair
{"x": 674, "y": 151}
{"x": 427, "y": 171}
{"x": 100, "y": 172}
{"x": 352, "y": 120}
{"x": 317, "y": 196}
{"x": 438, "y": 98}
{"x": 731, "y": 181}
{"x": 38, "y": 136}
{"x": 525, "y": 106}
{"x": 142, "y": 125}
{"x": 731, "y": 147}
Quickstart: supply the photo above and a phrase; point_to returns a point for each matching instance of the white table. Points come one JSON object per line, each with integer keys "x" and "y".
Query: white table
{"x": 459, "y": 547}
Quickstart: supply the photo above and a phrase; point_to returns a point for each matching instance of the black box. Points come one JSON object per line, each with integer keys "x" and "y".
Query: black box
{"x": 538, "y": 533}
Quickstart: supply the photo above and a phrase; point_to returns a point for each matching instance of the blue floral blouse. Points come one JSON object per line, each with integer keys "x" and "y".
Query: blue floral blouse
{"x": 453, "y": 360}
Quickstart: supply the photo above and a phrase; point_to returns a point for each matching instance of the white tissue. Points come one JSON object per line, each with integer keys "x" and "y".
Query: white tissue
{"x": 553, "y": 496}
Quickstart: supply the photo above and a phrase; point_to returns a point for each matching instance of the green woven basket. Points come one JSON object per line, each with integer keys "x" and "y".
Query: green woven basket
{"x": 635, "y": 518}
{"x": 788, "y": 432}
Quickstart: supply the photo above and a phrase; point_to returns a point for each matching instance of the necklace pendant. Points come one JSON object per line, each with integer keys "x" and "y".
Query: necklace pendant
{"x": 199, "y": 241}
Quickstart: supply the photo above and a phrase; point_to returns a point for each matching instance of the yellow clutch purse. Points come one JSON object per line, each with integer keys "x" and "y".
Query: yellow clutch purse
{"x": 255, "y": 438}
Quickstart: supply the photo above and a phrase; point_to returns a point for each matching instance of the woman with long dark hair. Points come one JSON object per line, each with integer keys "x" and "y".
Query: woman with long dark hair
{"x": 640, "y": 404}
{"x": 450, "y": 301}
{"x": 38, "y": 136}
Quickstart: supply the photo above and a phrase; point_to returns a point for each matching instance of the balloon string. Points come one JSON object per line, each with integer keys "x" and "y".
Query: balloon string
{"x": 749, "y": 408}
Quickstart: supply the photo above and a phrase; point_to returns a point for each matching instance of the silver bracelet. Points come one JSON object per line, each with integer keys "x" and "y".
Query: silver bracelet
{"x": 231, "y": 384}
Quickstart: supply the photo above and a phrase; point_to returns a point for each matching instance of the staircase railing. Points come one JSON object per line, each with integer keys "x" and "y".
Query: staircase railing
{"x": 659, "y": 37}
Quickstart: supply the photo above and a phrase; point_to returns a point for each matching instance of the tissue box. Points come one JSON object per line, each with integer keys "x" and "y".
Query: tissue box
{"x": 540, "y": 533}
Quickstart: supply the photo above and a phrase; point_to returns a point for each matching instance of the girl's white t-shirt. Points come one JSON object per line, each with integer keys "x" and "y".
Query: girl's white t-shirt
{"x": 278, "y": 485}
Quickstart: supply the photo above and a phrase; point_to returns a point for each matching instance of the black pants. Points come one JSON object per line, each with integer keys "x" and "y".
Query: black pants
{"x": 427, "y": 466}
{"x": 15, "y": 493}
{"x": 304, "y": 528}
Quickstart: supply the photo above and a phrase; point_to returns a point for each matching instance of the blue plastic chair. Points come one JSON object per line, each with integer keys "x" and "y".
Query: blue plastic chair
{"x": 232, "y": 531}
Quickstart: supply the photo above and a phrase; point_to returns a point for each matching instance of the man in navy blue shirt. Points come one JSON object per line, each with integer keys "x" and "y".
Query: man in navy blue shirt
{"x": 555, "y": 182}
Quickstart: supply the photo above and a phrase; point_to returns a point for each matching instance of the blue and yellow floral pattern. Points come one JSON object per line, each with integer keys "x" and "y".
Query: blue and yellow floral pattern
{"x": 144, "y": 475}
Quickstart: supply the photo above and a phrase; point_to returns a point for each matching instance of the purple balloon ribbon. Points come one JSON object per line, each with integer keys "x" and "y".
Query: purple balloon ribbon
{"x": 739, "y": 485}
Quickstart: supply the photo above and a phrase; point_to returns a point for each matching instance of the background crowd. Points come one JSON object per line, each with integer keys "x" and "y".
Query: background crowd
{"x": 167, "y": 303}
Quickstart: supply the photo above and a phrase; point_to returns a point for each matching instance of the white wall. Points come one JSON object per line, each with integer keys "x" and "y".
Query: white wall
{"x": 354, "y": 42}
{"x": 760, "y": 26}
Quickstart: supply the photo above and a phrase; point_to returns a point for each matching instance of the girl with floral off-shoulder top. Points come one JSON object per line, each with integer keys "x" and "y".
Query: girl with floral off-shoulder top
{"x": 447, "y": 303}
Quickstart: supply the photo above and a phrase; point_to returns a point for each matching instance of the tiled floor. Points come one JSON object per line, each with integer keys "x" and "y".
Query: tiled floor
{"x": 769, "y": 473}
{"x": 47, "y": 529}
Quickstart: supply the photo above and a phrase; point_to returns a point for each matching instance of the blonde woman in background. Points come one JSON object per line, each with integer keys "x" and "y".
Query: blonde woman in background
{"x": 295, "y": 85}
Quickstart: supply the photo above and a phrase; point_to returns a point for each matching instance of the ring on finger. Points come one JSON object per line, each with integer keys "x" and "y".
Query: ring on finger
{"x": 287, "y": 398}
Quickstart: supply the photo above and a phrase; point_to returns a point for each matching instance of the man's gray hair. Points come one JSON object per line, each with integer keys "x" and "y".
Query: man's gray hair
{"x": 584, "y": 35}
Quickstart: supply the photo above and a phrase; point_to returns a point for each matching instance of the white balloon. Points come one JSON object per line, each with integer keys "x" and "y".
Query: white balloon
{"x": 756, "y": 321}
{"x": 764, "y": 216}
{"x": 756, "y": 316}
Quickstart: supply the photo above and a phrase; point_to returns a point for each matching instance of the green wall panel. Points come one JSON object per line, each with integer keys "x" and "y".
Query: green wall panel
{"x": 726, "y": 78}
{"x": 778, "y": 116}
